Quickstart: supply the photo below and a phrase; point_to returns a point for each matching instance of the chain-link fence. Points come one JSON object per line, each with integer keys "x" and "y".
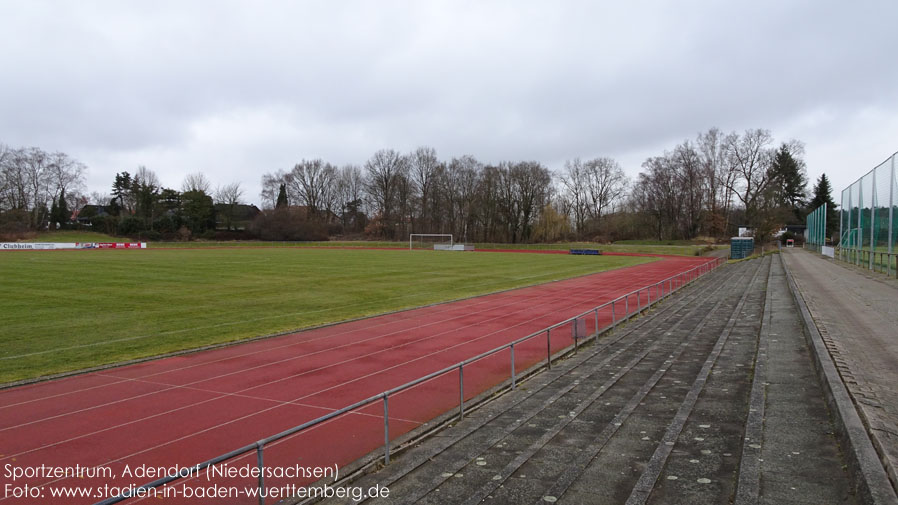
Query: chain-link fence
{"x": 868, "y": 219}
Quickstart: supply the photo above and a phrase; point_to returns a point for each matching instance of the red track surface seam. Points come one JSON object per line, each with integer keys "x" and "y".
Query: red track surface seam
{"x": 186, "y": 409}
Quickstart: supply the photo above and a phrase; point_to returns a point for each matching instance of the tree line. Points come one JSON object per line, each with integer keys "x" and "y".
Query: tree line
{"x": 702, "y": 187}
{"x": 718, "y": 182}
{"x": 395, "y": 194}
{"x": 706, "y": 187}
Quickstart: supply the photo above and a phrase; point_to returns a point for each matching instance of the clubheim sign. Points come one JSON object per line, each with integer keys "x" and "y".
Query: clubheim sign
{"x": 46, "y": 246}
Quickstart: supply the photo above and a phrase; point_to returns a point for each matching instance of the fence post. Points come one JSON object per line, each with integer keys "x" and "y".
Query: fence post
{"x": 638, "y": 306}
{"x": 260, "y": 463}
{"x": 386, "y": 430}
{"x": 461, "y": 392}
{"x": 548, "y": 349}
{"x": 860, "y": 229}
{"x": 873, "y": 203}
{"x": 627, "y": 307}
{"x": 513, "y": 385}
{"x": 613, "y": 319}
{"x": 891, "y": 216}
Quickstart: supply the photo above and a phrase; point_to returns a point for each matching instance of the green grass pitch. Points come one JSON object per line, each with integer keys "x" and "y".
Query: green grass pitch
{"x": 69, "y": 310}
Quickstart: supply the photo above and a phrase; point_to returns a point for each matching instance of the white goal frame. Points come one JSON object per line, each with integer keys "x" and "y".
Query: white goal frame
{"x": 412, "y": 236}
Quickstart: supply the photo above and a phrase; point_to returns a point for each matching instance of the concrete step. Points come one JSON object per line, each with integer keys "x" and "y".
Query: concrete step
{"x": 655, "y": 412}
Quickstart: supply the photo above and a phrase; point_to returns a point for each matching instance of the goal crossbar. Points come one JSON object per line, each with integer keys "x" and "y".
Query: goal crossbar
{"x": 411, "y": 238}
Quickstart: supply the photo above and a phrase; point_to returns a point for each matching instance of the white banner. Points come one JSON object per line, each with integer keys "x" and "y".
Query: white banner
{"x": 44, "y": 246}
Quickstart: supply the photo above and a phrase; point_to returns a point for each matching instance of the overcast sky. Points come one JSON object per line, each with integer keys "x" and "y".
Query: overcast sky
{"x": 237, "y": 89}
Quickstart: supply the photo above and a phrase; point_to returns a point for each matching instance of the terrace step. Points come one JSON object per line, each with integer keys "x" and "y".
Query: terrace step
{"x": 711, "y": 398}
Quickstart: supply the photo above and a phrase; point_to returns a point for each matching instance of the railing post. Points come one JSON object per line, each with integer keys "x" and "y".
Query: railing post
{"x": 638, "y": 302}
{"x": 513, "y": 385}
{"x": 613, "y": 319}
{"x": 260, "y": 463}
{"x": 461, "y": 391}
{"x": 597, "y": 324}
{"x": 627, "y": 307}
{"x": 548, "y": 349}
{"x": 386, "y": 430}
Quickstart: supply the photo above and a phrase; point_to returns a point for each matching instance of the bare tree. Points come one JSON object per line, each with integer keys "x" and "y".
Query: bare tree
{"x": 350, "y": 190}
{"x": 655, "y": 195}
{"x": 749, "y": 157}
{"x": 423, "y": 168}
{"x": 35, "y": 163}
{"x": 523, "y": 191}
{"x": 312, "y": 182}
{"x": 65, "y": 173}
{"x": 573, "y": 180}
{"x": 690, "y": 188}
{"x": 383, "y": 175}
{"x": 13, "y": 193}
{"x": 605, "y": 184}
{"x": 457, "y": 185}
{"x": 197, "y": 182}
{"x": 711, "y": 147}
{"x": 229, "y": 197}
{"x": 271, "y": 184}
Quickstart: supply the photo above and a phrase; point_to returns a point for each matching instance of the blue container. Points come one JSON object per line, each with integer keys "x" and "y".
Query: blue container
{"x": 741, "y": 247}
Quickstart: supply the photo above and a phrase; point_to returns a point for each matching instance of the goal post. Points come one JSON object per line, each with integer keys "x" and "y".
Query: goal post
{"x": 431, "y": 238}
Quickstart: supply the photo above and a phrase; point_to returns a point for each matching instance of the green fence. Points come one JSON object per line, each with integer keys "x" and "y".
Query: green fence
{"x": 816, "y": 229}
{"x": 868, "y": 219}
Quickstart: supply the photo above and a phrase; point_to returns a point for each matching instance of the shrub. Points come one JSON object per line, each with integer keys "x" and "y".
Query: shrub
{"x": 286, "y": 224}
{"x": 14, "y": 224}
{"x": 152, "y": 235}
{"x": 130, "y": 226}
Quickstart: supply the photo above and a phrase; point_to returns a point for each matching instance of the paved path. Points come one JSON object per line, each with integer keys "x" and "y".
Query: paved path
{"x": 857, "y": 315}
{"x": 712, "y": 398}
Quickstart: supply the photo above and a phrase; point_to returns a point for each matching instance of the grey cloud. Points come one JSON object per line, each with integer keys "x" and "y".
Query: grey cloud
{"x": 118, "y": 84}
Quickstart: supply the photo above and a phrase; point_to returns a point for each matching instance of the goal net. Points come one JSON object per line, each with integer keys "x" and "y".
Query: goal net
{"x": 430, "y": 241}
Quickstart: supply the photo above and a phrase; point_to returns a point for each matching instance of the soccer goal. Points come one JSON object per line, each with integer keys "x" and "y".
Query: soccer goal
{"x": 429, "y": 240}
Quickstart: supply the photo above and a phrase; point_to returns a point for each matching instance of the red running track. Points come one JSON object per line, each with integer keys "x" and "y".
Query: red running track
{"x": 182, "y": 410}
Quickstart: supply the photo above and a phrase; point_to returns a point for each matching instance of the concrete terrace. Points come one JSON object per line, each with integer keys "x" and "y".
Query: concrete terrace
{"x": 719, "y": 395}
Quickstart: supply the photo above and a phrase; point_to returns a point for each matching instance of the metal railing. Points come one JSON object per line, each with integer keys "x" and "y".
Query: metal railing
{"x": 883, "y": 262}
{"x": 672, "y": 284}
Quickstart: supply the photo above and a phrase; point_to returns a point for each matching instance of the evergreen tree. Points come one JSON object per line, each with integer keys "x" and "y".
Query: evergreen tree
{"x": 59, "y": 211}
{"x": 789, "y": 182}
{"x": 197, "y": 211}
{"x": 823, "y": 194}
{"x": 121, "y": 191}
{"x": 62, "y": 209}
{"x": 282, "y": 197}
{"x": 54, "y": 215}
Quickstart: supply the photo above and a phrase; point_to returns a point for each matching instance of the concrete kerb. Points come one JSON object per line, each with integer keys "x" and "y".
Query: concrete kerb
{"x": 869, "y": 478}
